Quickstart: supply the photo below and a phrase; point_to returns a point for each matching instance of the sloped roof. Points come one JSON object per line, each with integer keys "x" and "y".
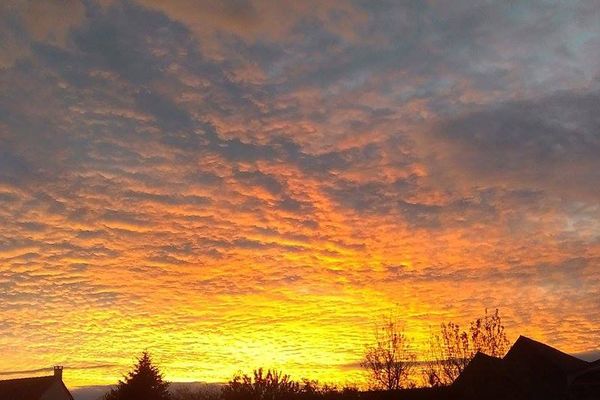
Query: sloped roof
{"x": 25, "y": 388}
{"x": 525, "y": 349}
{"x": 481, "y": 364}
{"x": 543, "y": 370}
{"x": 530, "y": 370}
{"x": 486, "y": 377}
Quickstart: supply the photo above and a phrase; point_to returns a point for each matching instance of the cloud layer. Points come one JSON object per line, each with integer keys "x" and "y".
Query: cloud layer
{"x": 252, "y": 183}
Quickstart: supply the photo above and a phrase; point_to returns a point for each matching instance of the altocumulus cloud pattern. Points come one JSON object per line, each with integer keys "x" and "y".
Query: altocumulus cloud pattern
{"x": 251, "y": 183}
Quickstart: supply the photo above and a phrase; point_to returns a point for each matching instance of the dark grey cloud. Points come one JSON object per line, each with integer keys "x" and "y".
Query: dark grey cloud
{"x": 570, "y": 274}
{"x": 293, "y": 205}
{"x": 125, "y": 217}
{"x": 169, "y": 199}
{"x": 257, "y": 178}
{"x": 50, "y": 369}
{"x": 14, "y": 168}
{"x": 549, "y": 143}
{"x": 168, "y": 115}
{"x": 118, "y": 38}
{"x": 374, "y": 196}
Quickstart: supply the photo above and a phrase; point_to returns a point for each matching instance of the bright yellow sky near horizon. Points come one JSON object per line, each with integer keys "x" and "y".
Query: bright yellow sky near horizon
{"x": 236, "y": 185}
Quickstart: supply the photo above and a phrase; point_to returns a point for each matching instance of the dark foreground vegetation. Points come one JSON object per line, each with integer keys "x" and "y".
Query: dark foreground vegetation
{"x": 463, "y": 365}
{"x": 146, "y": 382}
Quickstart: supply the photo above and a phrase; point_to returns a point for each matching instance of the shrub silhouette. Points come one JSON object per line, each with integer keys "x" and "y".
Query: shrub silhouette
{"x": 273, "y": 385}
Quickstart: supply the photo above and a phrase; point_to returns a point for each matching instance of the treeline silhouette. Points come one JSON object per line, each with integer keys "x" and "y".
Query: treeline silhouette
{"x": 390, "y": 363}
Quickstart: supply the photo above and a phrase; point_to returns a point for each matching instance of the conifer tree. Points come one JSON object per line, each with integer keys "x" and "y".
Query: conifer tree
{"x": 144, "y": 382}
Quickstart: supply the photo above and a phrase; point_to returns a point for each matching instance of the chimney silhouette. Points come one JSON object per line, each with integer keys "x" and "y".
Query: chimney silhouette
{"x": 58, "y": 371}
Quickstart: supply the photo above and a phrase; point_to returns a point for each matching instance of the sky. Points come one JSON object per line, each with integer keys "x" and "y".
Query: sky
{"x": 249, "y": 183}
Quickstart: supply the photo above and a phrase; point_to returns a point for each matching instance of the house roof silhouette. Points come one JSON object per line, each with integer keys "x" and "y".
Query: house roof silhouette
{"x": 487, "y": 377}
{"x": 525, "y": 350}
{"x": 531, "y": 370}
{"x": 37, "y": 388}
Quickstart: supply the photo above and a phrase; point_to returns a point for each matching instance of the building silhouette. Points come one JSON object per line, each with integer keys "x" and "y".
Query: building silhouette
{"x": 529, "y": 371}
{"x": 37, "y": 388}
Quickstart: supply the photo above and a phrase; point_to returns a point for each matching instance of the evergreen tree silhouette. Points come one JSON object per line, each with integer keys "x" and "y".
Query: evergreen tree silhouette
{"x": 144, "y": 382}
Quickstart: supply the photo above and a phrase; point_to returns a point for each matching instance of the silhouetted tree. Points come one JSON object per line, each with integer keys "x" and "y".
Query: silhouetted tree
{"x": 389, "y": 360}
{"x": 144, "y": 382}
{"x": 260, "y": 386}
{"x": 452, "y": 349}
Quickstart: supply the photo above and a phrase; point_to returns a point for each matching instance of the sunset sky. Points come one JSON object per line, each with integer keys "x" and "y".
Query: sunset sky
{"x": 238, "y": 184}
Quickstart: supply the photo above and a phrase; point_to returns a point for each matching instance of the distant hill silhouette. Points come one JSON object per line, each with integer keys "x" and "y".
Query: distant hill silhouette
{"x": 97, "y": 392}
{"x": 91, "y": 392}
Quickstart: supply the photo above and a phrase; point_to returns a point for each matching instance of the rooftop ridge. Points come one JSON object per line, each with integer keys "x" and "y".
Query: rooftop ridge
{"x": 27, "y": 388}
{"x": 49, "y": 377}
{"x": 527, "y": 347}
{"x": 538, "y": 344}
